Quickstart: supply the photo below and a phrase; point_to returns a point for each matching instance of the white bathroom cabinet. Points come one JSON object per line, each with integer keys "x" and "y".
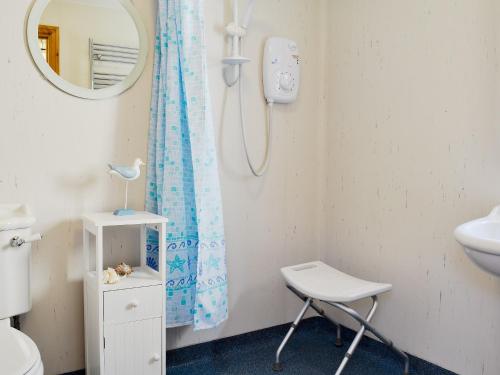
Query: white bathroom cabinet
{"x": 124, "y": 322}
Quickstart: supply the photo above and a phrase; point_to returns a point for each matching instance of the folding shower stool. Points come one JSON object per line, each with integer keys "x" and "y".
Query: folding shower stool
{"x": 318, "y": 281}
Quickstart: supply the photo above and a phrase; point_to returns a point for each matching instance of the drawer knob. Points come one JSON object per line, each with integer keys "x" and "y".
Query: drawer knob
{"x": 156, "y": 357}
{"x": 134, "y": 304}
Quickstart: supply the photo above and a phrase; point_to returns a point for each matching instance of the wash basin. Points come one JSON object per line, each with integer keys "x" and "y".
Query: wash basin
{"x": 481, "y": 241}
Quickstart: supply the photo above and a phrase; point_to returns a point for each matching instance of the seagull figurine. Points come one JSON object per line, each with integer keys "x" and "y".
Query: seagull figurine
{"x": 128, "y": 174}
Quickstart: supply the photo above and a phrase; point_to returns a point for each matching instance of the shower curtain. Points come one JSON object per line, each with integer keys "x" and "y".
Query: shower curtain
{"x": 182, "y": 181}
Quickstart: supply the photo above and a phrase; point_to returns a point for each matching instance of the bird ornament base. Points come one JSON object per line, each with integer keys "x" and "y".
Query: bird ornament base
{"x": 127, "y": 174}
{"x": 123, "y": 212}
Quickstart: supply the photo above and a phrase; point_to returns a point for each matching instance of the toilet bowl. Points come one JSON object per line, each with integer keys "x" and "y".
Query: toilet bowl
{"x": 18, "y": 354}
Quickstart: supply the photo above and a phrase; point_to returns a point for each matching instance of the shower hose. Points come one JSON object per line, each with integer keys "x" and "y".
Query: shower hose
{"x": 261, "y": 170}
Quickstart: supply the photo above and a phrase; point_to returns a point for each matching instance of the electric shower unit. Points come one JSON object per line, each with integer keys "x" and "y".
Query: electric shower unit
{"x": 281, "y": 75}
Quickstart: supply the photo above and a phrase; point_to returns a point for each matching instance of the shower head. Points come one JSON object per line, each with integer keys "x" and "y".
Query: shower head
{"x": 248, "y": 14}
{"x": 237, "y": 32}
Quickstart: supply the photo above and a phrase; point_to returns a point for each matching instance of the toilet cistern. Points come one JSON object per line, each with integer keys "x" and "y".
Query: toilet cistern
{"x": 18, "y": 353}
{"x": 16, "y": 221}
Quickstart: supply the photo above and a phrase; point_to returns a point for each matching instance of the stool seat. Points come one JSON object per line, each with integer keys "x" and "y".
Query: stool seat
{"x": 320, "y": 281}
{"x": 315, "y": 282}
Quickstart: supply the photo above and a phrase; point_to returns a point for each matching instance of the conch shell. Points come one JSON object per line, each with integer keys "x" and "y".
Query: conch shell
{"x": 110, "y": 276}
{"x": 123, "y": 269}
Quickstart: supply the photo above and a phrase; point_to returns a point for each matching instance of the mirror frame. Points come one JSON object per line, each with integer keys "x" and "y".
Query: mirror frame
{"x": 70, "y": 88}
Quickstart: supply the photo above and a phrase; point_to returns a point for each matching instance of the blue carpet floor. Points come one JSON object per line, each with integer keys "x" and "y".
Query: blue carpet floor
{"x": 310, "y": 351}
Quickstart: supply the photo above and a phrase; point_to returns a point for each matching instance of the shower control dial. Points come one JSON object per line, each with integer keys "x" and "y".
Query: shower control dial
{"x": 286, "y": 81}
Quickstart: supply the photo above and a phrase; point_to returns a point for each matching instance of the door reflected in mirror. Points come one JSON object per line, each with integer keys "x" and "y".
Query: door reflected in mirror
{"x": 48, "y": 39}
{"x": 92, "y": 44}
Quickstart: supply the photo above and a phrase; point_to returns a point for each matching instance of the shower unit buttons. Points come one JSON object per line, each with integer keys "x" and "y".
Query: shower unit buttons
{"x": 281, "y": 73}
{"x": 285, "y": 82}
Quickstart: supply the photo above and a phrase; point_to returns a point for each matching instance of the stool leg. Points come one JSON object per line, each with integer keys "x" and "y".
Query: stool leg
{"x": 320, "y": 311}
{"x": 351, "y": 350}
{"x": 356, "y": 341}
{"x": 338, "y": 342}
{"x": 277, "y": 366}
{"x": 367, "y": 326}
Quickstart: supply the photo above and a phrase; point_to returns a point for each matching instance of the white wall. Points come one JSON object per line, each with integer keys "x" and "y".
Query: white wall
{"x": 413, "y": 150}
{"x": 79, "y": 22}
{"x": 54, "y": 149}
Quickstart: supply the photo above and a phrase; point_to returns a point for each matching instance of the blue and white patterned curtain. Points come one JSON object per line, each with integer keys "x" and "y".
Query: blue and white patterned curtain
{"x": 183, "y": 180}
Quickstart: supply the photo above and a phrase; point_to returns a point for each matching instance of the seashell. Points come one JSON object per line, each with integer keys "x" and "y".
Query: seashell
{"x": 110, "y": 276}
{"x": 123, "y": 269}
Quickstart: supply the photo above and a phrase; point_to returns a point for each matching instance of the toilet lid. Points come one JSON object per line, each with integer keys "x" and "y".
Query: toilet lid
{"x": 18, "y": 353}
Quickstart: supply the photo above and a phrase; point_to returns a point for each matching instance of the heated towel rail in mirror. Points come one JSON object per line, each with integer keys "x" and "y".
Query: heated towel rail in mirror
{"x": 92, "y": 49}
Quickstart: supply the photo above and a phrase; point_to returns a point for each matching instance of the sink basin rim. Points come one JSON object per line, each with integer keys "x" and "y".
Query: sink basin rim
{"x": 465, "y": 234}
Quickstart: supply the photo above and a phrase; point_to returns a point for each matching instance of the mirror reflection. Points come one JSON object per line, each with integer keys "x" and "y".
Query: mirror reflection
{"x": 93, "y": 44}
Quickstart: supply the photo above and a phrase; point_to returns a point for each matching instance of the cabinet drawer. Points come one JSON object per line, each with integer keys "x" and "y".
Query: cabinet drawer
{"x": 128, "y": 305}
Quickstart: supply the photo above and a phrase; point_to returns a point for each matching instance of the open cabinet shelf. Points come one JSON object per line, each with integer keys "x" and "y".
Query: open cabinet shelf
{"x": 141, "y": 277}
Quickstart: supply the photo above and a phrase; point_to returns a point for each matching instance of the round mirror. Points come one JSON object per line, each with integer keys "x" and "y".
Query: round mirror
{"x": 92, "y": 49}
